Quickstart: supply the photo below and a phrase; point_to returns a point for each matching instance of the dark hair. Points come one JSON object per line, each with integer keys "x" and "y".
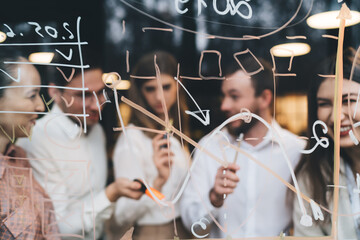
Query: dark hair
{"x": 8, "y": 68}
{"x": 261, "y": 80}
{"x": 318, "y": 167}
{"x": 89, "y": 57}
{"x": 146, "y": 68}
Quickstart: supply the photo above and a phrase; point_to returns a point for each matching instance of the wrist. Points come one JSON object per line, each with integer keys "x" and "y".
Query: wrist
{"x": 112, "y": 193}
{"x": 216, "y": 199}
{"x": 159, "y": 183}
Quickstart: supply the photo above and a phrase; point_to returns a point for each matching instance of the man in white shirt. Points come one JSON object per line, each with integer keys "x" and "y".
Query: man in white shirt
{"x": 242, "y": 198}
{"x": 72, "y": 165}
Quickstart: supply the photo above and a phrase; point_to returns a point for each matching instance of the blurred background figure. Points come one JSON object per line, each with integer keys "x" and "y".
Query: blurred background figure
{"x": 158, "y": 158}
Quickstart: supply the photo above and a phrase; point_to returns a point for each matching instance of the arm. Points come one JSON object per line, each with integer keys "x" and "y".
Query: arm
{"x": 129, "y": 162}
{"x": 195, "y": 201}
{"x": 74, "y": 213}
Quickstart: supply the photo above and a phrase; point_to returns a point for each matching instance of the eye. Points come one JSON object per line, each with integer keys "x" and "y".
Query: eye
{"x": 149, "y": 89}
{"x": 234, "y": 97}
{"x": 324, "y": 104}
{"x": 350, "y": 100}
{"x": 166, "y": 87}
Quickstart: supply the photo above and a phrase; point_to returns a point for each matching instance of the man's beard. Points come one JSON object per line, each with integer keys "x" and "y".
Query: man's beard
{"x": 243, "y": 128}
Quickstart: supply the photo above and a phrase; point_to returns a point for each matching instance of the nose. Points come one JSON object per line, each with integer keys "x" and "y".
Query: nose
{"x": 158, "y": 95}
{"x": 225, "y": 105}
{"x": 39, "y": 105}
{"x": 342, "y": 113}
{"x": 92, "y": 103}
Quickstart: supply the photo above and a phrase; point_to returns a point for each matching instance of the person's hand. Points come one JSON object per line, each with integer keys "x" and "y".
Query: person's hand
{"x": 162, "y": 158}
{"x": 123, "y": 187}
{"x": 225, "y": 182}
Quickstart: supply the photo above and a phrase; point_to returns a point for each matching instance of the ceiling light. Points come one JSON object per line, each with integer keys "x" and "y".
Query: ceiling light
{"x": 41, "y": 57}
{"x": 2, "y": 37}
{"x": 111, "y": 78}
{"x": 290, "y": 49}
{"x": 328, "y": 20}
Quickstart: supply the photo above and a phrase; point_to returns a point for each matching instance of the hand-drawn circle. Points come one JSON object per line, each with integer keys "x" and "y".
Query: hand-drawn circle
{"x": 114, "y": 82}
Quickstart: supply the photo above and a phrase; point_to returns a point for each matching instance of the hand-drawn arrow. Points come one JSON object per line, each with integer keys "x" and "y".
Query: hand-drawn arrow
{"x": 206, "y": 119}
{"x": 343, "y": 16}
{"x": 15, "y": 79}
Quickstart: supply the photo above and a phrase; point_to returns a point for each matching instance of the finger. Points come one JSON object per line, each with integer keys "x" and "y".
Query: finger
{"x": 134, "y": 185}
{"x": 165, "y": 152}
{"x": 164, "y": 161}
{"x": 228, "y": 183}
{"x": 233, "y": 167}
{"x": 163, "y": 142}
{"x": 134, "y": 194}
{"x": 231, "y": 176}
{"x": 223, "y": 190}
{"x": 158, "y": 137}
{"x": 156, "y": 140}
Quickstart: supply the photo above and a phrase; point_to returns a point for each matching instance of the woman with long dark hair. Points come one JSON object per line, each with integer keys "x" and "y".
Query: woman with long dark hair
{"x": 158, "y": 158}
{"x": 315, "y": 171}
{"x": 26, "y": 210}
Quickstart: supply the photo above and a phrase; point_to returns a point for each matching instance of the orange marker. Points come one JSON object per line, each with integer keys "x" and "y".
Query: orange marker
{"x": 143, "y": 188}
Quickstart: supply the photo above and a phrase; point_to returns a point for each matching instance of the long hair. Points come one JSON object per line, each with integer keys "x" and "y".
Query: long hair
{"x": 146, "y": 67}
{"x": 10, "y": 69}
{"x": 318, "y": 167}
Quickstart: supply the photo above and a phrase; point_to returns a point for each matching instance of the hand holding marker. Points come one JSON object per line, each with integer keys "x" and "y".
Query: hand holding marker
{"x": 143, "y": 189}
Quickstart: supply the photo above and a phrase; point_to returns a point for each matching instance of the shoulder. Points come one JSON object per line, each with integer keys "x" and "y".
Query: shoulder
{"x": 132, "y": 135}
{"x": 290, "y": 139}
{"x": 213, "y": 138}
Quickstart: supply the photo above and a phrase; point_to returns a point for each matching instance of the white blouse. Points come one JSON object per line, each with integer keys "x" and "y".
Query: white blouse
{"x": 133, "y": 159}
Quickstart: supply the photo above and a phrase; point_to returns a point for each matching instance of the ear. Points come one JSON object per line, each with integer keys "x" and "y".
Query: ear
{"x": 54, "y": 92}
{"x": 266, "y": 98}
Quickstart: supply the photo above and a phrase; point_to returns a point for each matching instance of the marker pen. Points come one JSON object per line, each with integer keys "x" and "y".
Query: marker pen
{"x": 143, "y": 189}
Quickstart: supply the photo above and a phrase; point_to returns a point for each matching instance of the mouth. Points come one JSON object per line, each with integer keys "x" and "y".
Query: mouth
{"x": 33, "y": 120}
{"x": 344, "y": 131}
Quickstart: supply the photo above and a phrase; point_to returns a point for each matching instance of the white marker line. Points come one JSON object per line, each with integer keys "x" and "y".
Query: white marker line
{"x": 51, "y": 64}
{"x": 42, "y": 44}
{"x": 47, "y": 113}
{"x": 337, "y": 186}
{"x": 83, "y": 81}
{"x": 44, "y": 86}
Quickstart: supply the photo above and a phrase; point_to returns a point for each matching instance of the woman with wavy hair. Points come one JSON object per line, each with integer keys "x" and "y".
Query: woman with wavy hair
{"x": 158, "y": 158}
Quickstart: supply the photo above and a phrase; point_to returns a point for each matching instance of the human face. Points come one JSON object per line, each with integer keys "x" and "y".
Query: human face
{"x": 238, "y": 93}
{"x": 153, "y": 96}
{"x": 22, "y": 99}
{"x": 93, "y": 81}
{"x": 325, "y": 102}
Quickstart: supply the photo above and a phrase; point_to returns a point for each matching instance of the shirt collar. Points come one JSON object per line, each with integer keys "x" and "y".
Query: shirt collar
{"x": 10, "y": 150}
{"x": 269, "y": 138}
{"x": 71, "y": 129}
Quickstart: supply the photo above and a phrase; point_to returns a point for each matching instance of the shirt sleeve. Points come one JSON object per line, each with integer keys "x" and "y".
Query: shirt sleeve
{"x": 195, "y": 203}
{"x": 128, "y": 163}
{"x": 75, "y": 216}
